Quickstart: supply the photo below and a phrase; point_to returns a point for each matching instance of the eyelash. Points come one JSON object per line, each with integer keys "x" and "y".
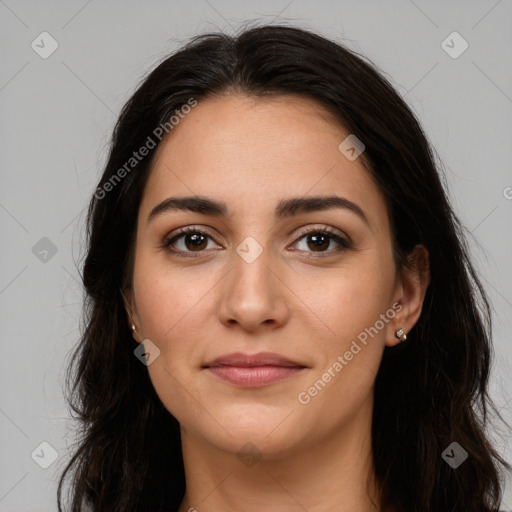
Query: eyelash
{"x": 328, "y": 231}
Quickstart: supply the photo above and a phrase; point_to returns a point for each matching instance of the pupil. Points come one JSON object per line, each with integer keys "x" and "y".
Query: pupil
{"x": 196, "y": 239}
{"x": 316, "y": 238}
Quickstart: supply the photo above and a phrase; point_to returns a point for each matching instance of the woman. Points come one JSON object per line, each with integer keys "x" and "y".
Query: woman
{"x": 281, "y": 313}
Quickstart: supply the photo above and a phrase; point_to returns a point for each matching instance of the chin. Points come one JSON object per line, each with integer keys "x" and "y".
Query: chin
{"x": 270, "y": 431}
{"x": 258, "y": 444}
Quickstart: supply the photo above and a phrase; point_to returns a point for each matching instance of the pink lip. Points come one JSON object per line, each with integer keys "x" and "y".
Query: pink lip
{"x": 246, "y": 370}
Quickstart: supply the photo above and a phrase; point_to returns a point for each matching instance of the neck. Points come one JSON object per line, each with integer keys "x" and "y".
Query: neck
{"x": 330, "y": 475}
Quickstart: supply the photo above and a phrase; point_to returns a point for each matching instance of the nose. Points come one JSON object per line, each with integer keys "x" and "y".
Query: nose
{"x": 254, "y": 294}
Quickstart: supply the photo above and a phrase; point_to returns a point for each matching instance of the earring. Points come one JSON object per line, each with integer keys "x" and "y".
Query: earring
{"x": 400, "y": 334}
{"x": 135, "y": 334}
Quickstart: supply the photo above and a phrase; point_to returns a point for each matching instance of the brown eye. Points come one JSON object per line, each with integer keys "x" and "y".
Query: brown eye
{"x": 319, "y": 241}
{"x": 188, "y": 240}
{"x": 194, "y": 241}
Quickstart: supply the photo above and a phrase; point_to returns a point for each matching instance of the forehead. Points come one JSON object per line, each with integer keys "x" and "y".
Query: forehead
{"x": 252, "y": 152}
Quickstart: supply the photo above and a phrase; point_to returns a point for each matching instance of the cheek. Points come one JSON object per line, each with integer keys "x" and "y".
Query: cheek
{"x": 170, "y": 305}
{"x": 169, "y": 298}
{"x": 357, "y": 310}
{"x": 353, "y": 300}
{"x": 345, "y": 377}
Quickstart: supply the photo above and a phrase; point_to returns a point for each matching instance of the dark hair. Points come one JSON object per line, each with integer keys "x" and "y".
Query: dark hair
{"x": 429, "y": 392}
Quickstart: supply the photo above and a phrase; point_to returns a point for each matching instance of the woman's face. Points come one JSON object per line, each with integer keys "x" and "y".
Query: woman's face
{"x": 263, "y": 277}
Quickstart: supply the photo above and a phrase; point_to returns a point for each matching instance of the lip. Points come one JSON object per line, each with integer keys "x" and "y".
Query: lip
{"x": 259, "y": 359}
{"x": 253, "y": 370}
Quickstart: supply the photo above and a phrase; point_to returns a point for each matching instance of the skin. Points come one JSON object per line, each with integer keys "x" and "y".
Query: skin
{"x": 251, "y": 153}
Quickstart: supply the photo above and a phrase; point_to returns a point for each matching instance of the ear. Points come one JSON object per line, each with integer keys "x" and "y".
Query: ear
{"x": 132, "y": 317}
{"x": 411, "y": 289}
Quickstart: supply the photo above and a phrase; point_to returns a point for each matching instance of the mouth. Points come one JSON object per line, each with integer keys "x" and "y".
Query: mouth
{"x": 252, "y": 371}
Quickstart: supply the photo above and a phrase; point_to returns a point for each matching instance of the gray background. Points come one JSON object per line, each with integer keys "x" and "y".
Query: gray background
{"x": 56, "y": 119}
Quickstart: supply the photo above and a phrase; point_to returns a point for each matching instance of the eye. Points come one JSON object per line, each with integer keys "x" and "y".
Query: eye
{"x": 320, "y": 239}
{"x": 194, "y": 240}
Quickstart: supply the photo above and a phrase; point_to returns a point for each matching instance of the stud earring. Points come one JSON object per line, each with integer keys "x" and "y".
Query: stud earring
{"x": 400, "y": 334}
{"x": 135, "y": 334}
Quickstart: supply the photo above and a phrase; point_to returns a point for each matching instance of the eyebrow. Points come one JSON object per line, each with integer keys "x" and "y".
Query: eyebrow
{"x": 285, "y": 207}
